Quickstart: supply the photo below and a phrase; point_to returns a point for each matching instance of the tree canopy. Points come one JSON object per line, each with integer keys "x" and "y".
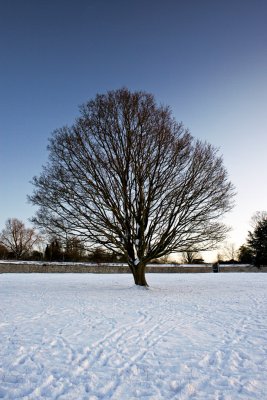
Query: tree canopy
{"x": 128, "y": 177}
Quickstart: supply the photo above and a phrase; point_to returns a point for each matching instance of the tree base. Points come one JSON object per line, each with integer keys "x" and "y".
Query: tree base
{"x": 138, "y": 272}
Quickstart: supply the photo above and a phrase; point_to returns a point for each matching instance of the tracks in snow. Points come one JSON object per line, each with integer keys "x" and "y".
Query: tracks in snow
{"x": 119, "y": 353}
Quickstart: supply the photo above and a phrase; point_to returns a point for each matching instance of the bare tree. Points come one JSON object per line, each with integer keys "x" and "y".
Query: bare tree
{"x": 127, "y": 176}
{"x": 228, "y": 252}
{"x": 18, "y": 239}
{"x": 191, "y": 257}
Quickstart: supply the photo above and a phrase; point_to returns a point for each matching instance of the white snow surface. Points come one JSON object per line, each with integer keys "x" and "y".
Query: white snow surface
{"x": 89, "y": 336}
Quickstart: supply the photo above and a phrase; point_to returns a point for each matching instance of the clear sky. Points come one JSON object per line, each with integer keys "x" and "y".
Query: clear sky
{"x": 206, "y": 59}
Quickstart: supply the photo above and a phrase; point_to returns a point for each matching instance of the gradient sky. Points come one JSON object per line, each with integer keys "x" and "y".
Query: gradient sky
{"x": 206, "y": 59}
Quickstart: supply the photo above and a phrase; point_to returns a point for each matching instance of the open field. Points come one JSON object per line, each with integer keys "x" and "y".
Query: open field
{"x": 88, "y": 336}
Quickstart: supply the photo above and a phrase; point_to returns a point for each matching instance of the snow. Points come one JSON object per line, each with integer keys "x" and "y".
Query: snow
{"x": 136, "y": 261}
{"x": 89, "y": 336}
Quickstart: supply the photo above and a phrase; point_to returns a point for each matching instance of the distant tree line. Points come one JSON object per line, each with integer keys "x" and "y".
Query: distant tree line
{"x": 17, "y": 242}
{"x": 74, "y": 250}
{"x": 21, "y": 243}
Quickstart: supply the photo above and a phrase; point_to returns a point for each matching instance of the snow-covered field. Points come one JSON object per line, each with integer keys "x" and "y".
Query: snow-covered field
{"x": 85, "y": 336}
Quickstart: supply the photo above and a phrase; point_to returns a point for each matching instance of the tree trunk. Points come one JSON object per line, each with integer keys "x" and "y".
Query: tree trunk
{"x": 138, "y": 272}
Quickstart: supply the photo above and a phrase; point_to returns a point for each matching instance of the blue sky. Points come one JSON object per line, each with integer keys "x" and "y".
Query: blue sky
{"x": 206, "y": 59}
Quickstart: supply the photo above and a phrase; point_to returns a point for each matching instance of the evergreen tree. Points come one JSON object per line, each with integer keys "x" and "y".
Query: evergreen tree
{"x": 74, "y": 249}
{"x": 53, "y": 251}
{"x": 245, "y": 254}
{"x": 257, "y": 242}
{"x": 3, "y": 252}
